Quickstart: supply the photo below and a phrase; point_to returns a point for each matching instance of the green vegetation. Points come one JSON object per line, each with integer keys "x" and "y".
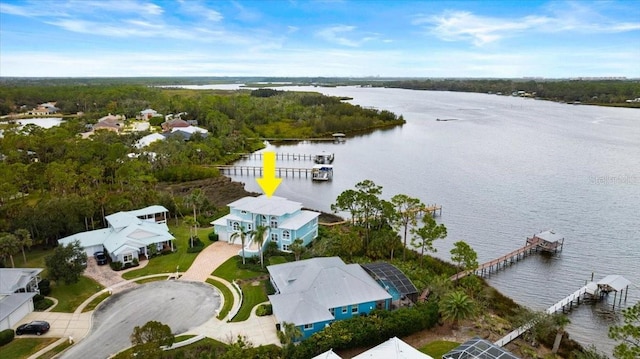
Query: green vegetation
{"x": 232, "y": 270}
{"x": 436, "y": 349}
{"x": 94, "y": 303}
{"x": 181, "y": 338}
{"x": 627, "y": 334}
{"x": 24, "y": 347}
{"x": 66, "y": 263}
{"x": 254, "y": 293}
{"x": 226, "y": 294}
{"x": 6, "y": 336}
{"x": 55, "y": 351}
{"x": 70, "y": 296}
{"x": 152, "y": 279}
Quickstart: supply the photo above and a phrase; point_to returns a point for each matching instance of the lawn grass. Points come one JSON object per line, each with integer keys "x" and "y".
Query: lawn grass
{"x": 277, "y": 260}
{"x": 70, "y": 296}
{"x": 24, "y": 347}
{"x": 209, "y": 345}
{"x": 35, "y": 259}
{"x": 229, "y": 270}
{"x": 180, "y": 259}
{"x": 97, "y": 300}
{"x": 228, "y": 297}
{"x": 437, "y": 348}
{"x": 181, "y": 338}
{"x": 55, "y": 351}
{"x": 252, "y": 296}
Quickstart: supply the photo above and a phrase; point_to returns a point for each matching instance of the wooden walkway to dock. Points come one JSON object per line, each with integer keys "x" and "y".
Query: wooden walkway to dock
{"x": 279, "y": 156}
{"x": 257, "y": 171}
{"x": 561, "y": 305}
{"x": 501, "y": 262}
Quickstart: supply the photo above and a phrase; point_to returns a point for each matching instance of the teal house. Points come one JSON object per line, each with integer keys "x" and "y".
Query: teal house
{"x": 313, "y": 293}
{"x": 285, "y": 221}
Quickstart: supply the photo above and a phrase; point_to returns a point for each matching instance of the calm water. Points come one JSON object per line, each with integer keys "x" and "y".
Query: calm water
{"x": 504, "y": 170}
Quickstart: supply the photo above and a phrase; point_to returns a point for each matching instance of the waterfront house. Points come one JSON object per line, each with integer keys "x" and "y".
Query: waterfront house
{"x": 285, "y": 221}
{"x": 130, "y": 235}
{"x": 18, "y": 286}
{"x": 313, "y": 293}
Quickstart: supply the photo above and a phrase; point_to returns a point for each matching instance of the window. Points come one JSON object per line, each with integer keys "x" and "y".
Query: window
{"x": 308, "y": 326}
{"x": 274, "y": 222}
{"x": 286, "y": 235}
{"x": 344, "y": 310}
{"x": 235, "y": 226}
{"x": 250, "y": 227}
{"x": 285, "y": 247}
{"x": 332, "y": 311}
{"x": 354, "y": 309}
{"x": 274, "y": 237}
{"x": 243, "y": 212}
{"x": 263, "y": 220}
{"x": 127, "y": 258}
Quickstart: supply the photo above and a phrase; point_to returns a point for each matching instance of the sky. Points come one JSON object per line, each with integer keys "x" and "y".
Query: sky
{"x": 327, "y": 38}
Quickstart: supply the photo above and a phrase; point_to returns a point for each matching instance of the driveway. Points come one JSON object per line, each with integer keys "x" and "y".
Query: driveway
{"x": 107, "y": 276}
{"x": 180, "y": 304}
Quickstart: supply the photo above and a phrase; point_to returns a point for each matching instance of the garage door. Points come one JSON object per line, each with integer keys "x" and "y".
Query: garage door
{"x": 91, "y": 250}
{"x": 21, "y": 312}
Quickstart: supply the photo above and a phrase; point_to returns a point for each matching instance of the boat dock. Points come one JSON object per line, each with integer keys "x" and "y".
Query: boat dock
{"x": 542, "y": 241}
{"x": 279, "y": 156}
{"x": 257, "y": 171}
{"x": 590, "y": 291}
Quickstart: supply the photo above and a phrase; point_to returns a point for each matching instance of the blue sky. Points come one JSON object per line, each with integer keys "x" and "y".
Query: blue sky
{"x": 526, "y": 38}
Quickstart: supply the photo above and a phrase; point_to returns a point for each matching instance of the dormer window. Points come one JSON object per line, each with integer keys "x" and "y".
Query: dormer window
{"x": 274, "y": 222}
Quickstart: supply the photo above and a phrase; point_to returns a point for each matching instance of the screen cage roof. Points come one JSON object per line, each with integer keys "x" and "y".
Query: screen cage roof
{"x": 477, "y": 348}
{"x": 388, "y": 272}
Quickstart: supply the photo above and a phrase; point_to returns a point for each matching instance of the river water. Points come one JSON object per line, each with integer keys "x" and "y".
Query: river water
{"x": 503, "y": 169}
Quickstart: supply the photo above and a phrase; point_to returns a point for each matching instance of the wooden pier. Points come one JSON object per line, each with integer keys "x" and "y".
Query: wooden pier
{"x": 279, "y": 156}
{"x": 589, "y": 292}
{"x": 533, "y": 245}
{"x": 257, "y": 171}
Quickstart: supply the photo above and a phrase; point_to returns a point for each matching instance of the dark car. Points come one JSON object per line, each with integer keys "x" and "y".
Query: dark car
{"x": 36, "y": 327}
{"x": 100, "y": 257}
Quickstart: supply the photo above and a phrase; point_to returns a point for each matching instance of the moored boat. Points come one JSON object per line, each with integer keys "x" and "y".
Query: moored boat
{"x": 322, "y": 172}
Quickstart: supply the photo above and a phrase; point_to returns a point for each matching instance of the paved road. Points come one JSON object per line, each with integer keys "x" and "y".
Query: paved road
{"x": 180, "y": 304}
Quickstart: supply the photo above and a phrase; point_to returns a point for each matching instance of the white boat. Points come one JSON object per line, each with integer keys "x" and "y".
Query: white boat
{"x": 322, "y": 172}
{"x": 324, "y": 158}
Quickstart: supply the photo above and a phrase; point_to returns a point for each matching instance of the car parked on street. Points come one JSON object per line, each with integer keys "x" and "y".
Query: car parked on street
{"x": 36, "y": 327}
{"x": 100, "y": 257}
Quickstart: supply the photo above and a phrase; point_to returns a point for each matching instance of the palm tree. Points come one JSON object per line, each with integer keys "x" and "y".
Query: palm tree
{"x": 297, "y": 247}
{"x": 561, "y": 321}
{"x": 193, "y": 228}
{"x": 456, "y": 306}
{"x": 243, "y": 237}
{"x": 24, "y": 237}
{"x": 258, "y": 237}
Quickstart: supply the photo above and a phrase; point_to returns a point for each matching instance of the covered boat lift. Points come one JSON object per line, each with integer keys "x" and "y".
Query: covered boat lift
{"x": 614, "y": 283}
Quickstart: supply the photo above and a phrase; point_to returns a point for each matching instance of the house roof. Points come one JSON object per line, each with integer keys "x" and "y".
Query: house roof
{"x": 9, "y": 303}
{"x": 13, "y": 279}
{"x": 309, "y": 288}
{"x": 149, "y": 139}
{"x": 274, "y": 206}
{"x": 393, "y": 348}
{"x": 329, "y": 354}
{"x": 477, "y": 348}
{"x": 615, "y": 282}
{"x": 126, "y": 231}
{"x": 299, "y": 220}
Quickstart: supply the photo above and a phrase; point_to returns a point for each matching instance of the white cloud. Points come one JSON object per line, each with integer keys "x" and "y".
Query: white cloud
{"x": 192, "y": 7}
{"x": 337, "y": 35}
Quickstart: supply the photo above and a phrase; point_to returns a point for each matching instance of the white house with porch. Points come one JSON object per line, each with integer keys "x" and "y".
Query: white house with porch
{"x": 285, "y": 221}
{"x": 129, "y": 236}
{"x": 18, "y": 286}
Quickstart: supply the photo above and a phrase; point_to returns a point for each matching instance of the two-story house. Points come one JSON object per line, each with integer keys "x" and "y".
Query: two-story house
{"x": 285, "y": 221}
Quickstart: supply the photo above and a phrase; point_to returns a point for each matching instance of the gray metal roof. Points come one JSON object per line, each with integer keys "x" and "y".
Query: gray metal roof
{"x": 615, "y": 282}
{"x": 388, "y": 272}
{"x": 273, "y": 206}
{"x": 13, "y": 279}
{"x": 299, "y": 220}
{"x": 307, "y": 289}
{"x": 9, "y": 303}
{"x": 477, "y": 348}
{"x": 550, "y": 236}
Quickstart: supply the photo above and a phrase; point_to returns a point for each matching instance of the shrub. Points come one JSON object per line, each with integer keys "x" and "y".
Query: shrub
{"x": 117, "y": 265}
{"x": 135, "y": 262}
{"x": 6, "y": 336}
{"x": 213, "y": 236}
{"x": 44, "y": 286}
{"x": 40, "y": 303}
{"x": 197, "y": 242}
{"x": 264, "y": 309}
{"x": 195, "y": 249}
{"x": 152, "y": 250}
